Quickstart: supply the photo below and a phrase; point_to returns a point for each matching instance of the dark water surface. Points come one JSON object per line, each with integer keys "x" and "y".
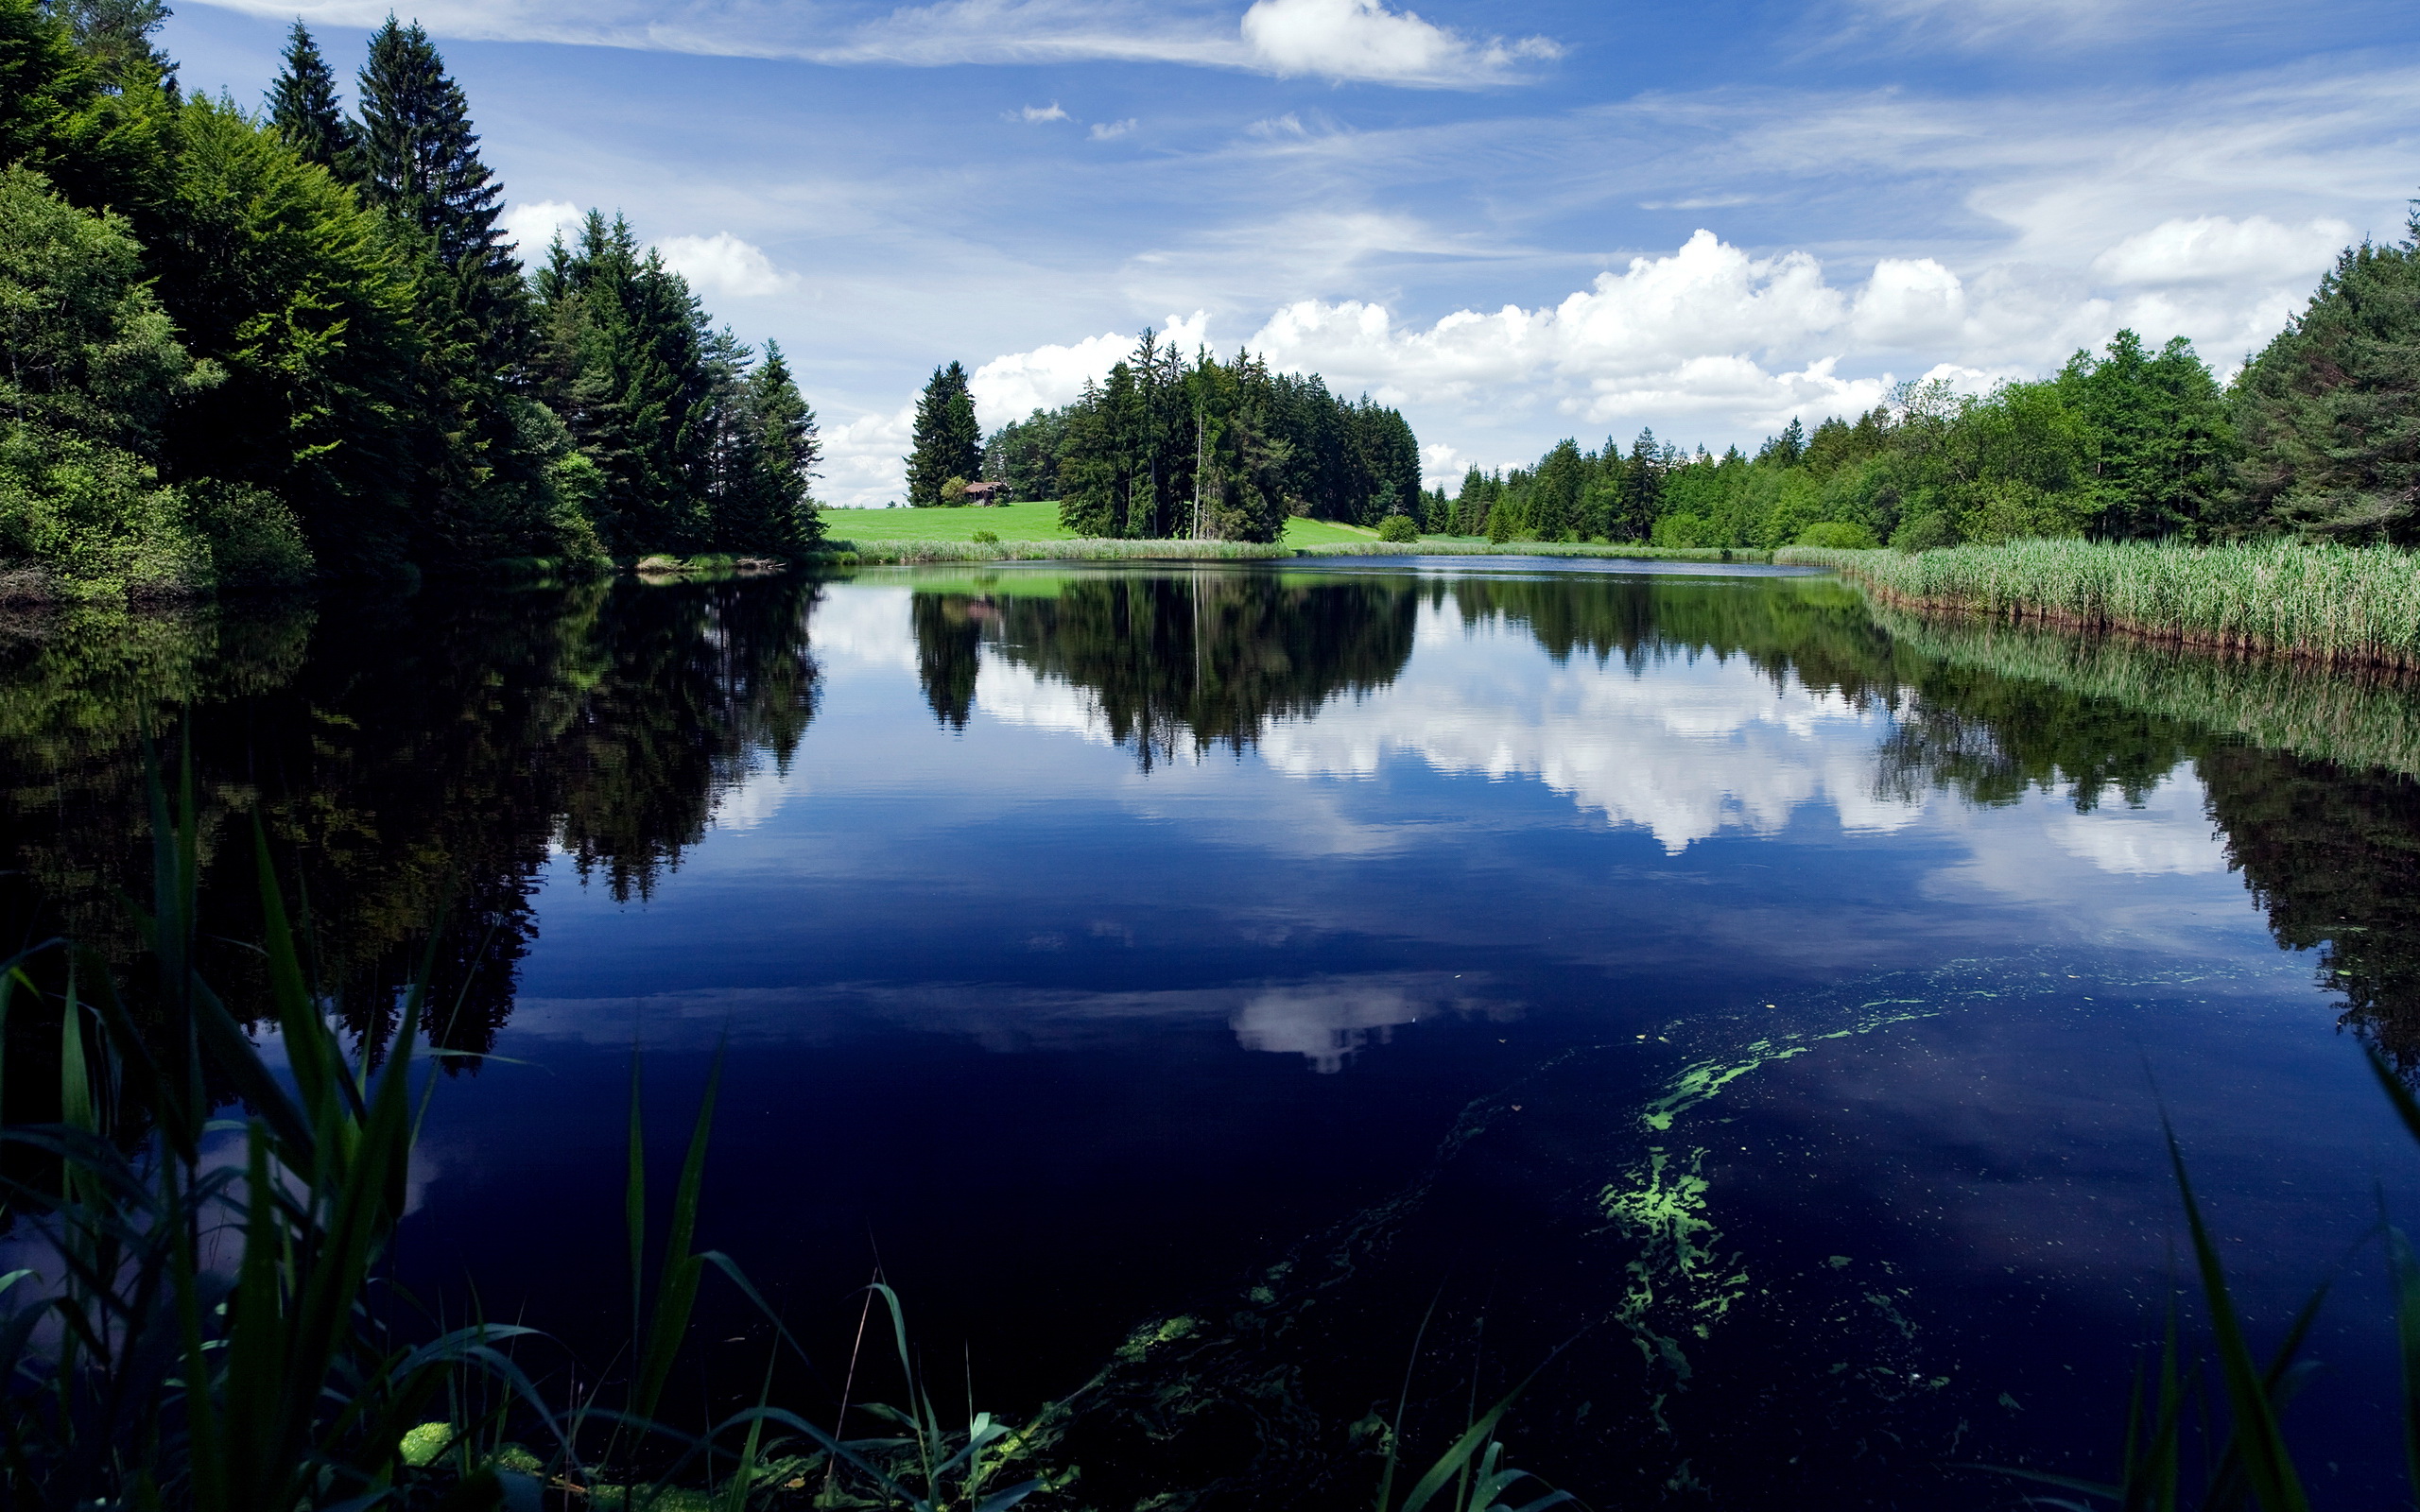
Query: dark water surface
{"x": 1183, "y": 977}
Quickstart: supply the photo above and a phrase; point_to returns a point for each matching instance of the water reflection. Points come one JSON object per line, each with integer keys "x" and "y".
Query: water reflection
{"x": 438, "y": 752}
{"x": 414, "y": 759}
{"x": 1499, "y": 855}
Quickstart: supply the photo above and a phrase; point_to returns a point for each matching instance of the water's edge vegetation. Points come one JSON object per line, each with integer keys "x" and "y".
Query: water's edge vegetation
{"x": 2348, "y": 605}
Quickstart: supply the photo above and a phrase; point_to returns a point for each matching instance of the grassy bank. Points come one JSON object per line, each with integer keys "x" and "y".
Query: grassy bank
{"x": 2355, "y": 605}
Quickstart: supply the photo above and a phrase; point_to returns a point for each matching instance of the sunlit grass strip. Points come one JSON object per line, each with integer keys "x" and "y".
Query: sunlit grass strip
{"x": 2338, "y": 604}
{"x": 905, "y": 552}
{"x": 893, "y": 553}
{"x": 2353, "y": 717}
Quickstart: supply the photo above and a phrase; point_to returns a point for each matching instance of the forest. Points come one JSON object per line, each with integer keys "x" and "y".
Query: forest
{"x": 248, "y": 348}
{"x": 2314, "y": 438}
{"x": 1168, "y": 446}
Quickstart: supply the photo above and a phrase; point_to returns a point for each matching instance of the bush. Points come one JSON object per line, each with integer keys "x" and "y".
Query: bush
{"x": 1930, "y": 531}
{"x": 1838, "y": 535}
{"x": 954, "y": 492}
{"x": 988, "y": 537}
{"x": 1398, "y": 528}
{"x": 254, "y": 540}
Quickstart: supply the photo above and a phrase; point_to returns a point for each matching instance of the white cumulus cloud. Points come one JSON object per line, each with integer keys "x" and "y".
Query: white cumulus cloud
{"x": 1363, "y": 40}
{"x": 533, "y": 225}
{"x": 2215, "y": 248}
{"x": 722, "y": 263}
{"x": 1111, "y": 130}
{"x": 1032, "y": 114}
{"x": 1014, "y": 385}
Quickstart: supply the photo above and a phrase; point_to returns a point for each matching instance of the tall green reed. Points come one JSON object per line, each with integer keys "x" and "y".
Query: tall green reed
{"x": 139, "y": 1370}
{"x": 2348, "y": 604}
{"x": 2255, "y": 1463}
{"x": 209, "y": 1322}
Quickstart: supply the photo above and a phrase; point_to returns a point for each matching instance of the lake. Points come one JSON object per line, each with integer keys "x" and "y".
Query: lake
{"x": 1234, "y": 990}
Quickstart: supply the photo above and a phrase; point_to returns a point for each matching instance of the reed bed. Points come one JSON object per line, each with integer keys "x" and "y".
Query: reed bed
{"x": 2352, "y": 605}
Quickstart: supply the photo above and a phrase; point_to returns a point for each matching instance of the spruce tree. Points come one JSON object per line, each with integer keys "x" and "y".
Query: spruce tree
{"x": 303, "y": 109}
{"x": 420, "y": 157}
{"x": 788, "y": 447}
{"x": 2330, "y": 413}
{"x": 948, "y": 443}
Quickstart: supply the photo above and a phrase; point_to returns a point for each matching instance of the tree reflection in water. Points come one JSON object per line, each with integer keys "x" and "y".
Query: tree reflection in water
{"x": 412, "y": 758}
{"x": 419, "y": 756}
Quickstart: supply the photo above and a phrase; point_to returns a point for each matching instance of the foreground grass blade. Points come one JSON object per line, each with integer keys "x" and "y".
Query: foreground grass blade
{"x": 2266, "y": 1463}
{"x": 677, "y": 1293}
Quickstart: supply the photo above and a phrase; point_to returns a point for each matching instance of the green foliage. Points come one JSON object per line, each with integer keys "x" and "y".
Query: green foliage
{"x": 1398, "y": 528}
{"x": 356, "y": 340}
{"x": 947, "y": 442}
{"x": 1837, "y": 535}
{"x": 2159, "y": 444}
{"x": 307, "y": 302}
{"x": 2330, "y": 413}
{"x": 681, "y": 441}
{"x": 90, "y": 369}
{"x": 1221, "y": 451}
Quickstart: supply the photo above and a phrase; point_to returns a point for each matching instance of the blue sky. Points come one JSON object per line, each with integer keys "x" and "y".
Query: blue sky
{"x": 1515, "y": 221}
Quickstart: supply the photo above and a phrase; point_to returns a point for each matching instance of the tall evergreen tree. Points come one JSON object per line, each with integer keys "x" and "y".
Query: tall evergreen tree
{"x": 303, "y": 111}
{"x": 760, "y": 502}
{"x": 2330, "y": 410}
{"x": 948, "y": 443}
{"x": 626, "y": 358}
{"x": 420, "y": 157}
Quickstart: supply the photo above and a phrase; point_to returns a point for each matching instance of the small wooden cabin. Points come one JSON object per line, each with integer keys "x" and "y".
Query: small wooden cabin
{"x": 987, "y": 493}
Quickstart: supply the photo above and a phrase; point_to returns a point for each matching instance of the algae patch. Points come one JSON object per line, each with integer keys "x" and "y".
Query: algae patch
{"x": 1679, "y": 1282}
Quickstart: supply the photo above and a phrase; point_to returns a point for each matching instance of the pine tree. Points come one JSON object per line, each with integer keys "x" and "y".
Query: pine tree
{"x": 762, "y": 502}
{"x": 626, "y": 358}
{"x": 421, "y": 159}
{"x": 2330, "y": 411}
{"x": 948, "y": 443}
{"x": 303, "y": 111}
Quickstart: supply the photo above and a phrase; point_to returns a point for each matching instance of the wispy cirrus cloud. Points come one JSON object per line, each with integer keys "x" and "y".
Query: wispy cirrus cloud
{"x": 1357, "y": 41}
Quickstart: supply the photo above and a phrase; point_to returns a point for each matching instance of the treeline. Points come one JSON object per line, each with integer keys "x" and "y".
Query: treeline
{"x": 2314, "y": 438}
{"x": 248, "y": 349}
{"x": 1172, "y": 447}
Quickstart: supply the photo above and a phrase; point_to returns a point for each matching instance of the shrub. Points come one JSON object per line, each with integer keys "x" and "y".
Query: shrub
{"x": 1929, "y": 531}
{"x": 1398, "y": 528}
{"x": 254, "y": 540}
{"x": 988, "y": 537}
{"x": 954, "y": 492}
{"x": 1838, "y": 535}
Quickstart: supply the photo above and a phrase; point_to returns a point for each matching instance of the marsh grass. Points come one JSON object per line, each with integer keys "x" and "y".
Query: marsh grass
{"x": 2254, "y": 1463}
{"x": 2350, "y": 604}
{"x": 223, "y": 1335}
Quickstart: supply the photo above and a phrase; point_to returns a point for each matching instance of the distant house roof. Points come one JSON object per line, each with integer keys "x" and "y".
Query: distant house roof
{"x": 986, "y": 492}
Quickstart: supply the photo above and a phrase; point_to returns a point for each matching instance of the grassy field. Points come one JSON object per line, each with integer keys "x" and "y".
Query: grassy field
{"x": 2349, "y": 604}
{"x": 1037, "y": 521}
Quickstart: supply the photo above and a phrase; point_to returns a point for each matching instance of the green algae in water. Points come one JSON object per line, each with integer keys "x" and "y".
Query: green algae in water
{"x": 1679, "y": 1278}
